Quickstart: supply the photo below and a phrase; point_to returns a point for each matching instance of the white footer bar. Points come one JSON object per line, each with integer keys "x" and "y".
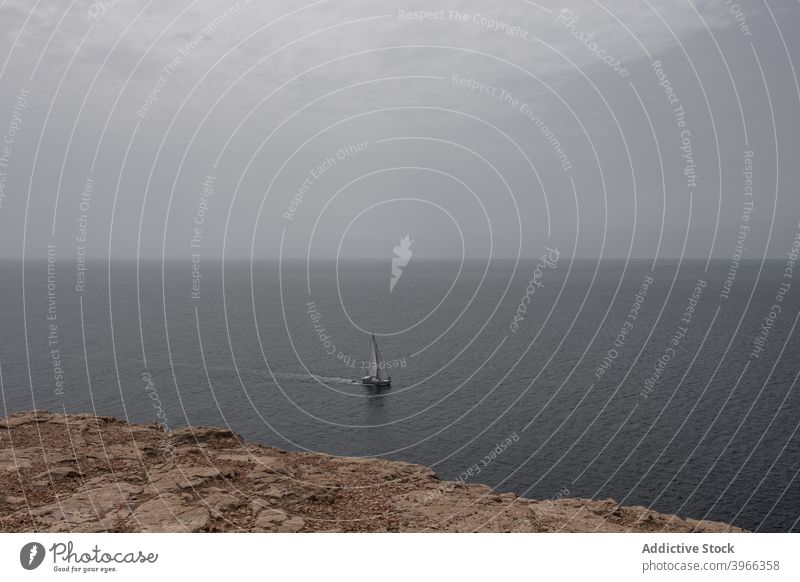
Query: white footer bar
{"x": 386, "y": 557}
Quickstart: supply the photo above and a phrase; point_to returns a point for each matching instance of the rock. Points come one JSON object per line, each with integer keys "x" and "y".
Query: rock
{"x": 200, "y": 434}
{"x": 321, "y": 495}
{"x": 273, "y": 492}
{"x": 169, "y": 513}
{"x": 61, "y": 459}
{"x": 12, "y": 460}
{"x": 24, "y": 418}
{"x": 270, "y": 517}
{"x": 198, "y": 476}
{"x": 85, "y": 506}
{"x": 262, "y": 481}
{"x": 126, "y": 452}
{"x": 110, "y": 522}
{"x": 235, "y": 458}
{"x": 257, "y": 505}
{"x": 645, "y": 519}
{"x": 223, "y": 502}
{"x": 58, "y": 473}
{"x": 310, "y": 470}
{"x": 269, "y": 466}
{"x": 101, "y": 474}
{"x": 179, "y": 478}
{"x": 195, "y": 519}
{"x": 292, "y": 525}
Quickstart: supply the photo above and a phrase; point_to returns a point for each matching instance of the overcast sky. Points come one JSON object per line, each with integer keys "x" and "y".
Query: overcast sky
{"x": 213, "y": 120}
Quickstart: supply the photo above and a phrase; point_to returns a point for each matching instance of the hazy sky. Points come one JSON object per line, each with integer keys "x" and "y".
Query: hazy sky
{"x": 337, "y": 127}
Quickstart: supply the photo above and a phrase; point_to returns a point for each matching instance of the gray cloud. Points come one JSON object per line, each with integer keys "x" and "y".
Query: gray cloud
{"x": 249, "y": 84}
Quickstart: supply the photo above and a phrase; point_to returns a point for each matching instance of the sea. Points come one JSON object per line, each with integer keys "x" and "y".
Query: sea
{"x": 670, "y": 384}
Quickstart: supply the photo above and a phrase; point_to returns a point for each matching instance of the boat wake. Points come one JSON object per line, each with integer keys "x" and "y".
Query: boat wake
{"x": 315, "y": 378}
{"x": 276, "y": 375}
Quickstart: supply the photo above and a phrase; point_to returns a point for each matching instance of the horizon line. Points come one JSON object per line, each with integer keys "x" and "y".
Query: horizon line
{"x": 416, "y": 259}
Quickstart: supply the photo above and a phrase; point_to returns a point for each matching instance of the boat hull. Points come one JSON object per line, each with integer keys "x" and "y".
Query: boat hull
{"x": 371, "y": 381}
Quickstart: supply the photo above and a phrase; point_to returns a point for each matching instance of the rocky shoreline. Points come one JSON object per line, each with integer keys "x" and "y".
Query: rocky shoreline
{"x": 83, "y": 473}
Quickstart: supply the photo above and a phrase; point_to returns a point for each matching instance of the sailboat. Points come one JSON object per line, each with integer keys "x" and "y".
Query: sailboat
{"x": 378, "y": 376}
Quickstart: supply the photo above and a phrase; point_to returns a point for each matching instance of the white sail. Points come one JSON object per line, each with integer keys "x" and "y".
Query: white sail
{"x": 378, "y": 376}
{"x": 373, "y": 362}
{"x": 377, "y": 362}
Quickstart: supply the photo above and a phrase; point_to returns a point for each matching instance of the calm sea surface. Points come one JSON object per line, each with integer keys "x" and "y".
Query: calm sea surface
{"x": 682, "y": 400}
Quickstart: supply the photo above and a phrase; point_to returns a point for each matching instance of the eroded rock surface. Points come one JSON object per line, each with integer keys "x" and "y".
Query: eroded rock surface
{"x": 84, "y": 473}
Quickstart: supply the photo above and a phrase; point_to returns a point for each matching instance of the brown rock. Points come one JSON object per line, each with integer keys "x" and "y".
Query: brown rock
{"x": 85, "y": 506}
{"x": 269, "y": 466}
{"x": 262, "y": 481}
{"x": 200, "y": 434}
{"x": 273, "y": 492}
{"x": 322, "y": 495}
{"x": 223, "y": 502}
{"x": 12, "y": 460}
{"x": 256, "y": 505}
{"x": 23, "y": 418}
{"x": 292, "y": 525}
{"x": 101, "y": 474}
{"x": 58, "y": 473}
{"x": 270, "y": 518}
{"x": 169, "y": 513}
{"x": 179, "y": 478}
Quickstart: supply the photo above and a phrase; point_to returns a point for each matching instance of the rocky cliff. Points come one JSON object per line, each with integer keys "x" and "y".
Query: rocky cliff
{"x": 86, "y": 473}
